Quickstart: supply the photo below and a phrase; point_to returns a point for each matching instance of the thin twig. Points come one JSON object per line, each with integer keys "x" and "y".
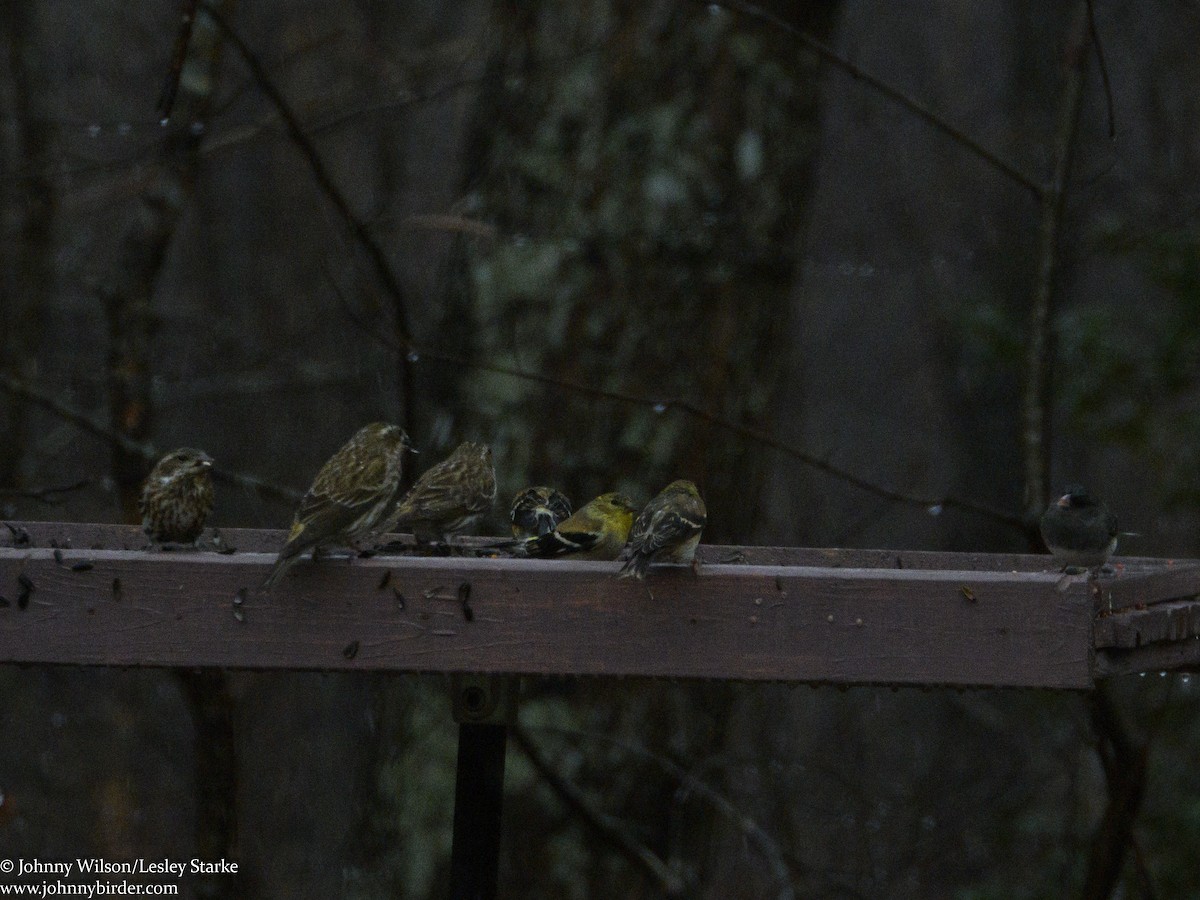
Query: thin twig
{"x": 934, "y": 505}
{"x": 914, "y": 106}
{"x": 1108, "y": 97}
{"x": 187, "y": 18}
{"x": 689, "y": 783}
{"x": 1038, "y": 370}
{"x": 362, "y": 234}
{"x": 145, "y": 450}
{"x": 605, "y": 826}
{"x": 47, "y": 495}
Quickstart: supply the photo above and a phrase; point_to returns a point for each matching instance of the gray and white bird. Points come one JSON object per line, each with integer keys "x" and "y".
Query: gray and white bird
{"x": 1079, "y": 530}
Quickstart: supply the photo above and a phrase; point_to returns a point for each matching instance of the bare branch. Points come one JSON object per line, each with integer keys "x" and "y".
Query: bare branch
{"x": 1108, "y": 97}
{"x": 914, "y": 106}
{"x": 379, "y": 261}
{"x": 1038, "y": 372}
{"x": 607, "y": 827}
{"x": 187, "y": 17}
{"x": 145, "y": 450}
{"x": 690, "y": 784}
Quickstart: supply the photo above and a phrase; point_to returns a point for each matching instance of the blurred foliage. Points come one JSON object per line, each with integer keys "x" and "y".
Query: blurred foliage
{"x": 643, "y": 167}
{"x": 1130, "y": 375}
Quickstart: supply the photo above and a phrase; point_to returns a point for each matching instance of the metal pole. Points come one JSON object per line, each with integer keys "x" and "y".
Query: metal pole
{"x": 483, "y": 706}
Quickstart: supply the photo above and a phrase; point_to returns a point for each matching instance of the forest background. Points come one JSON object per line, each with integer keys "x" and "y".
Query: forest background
{"x": 874, "y": 275}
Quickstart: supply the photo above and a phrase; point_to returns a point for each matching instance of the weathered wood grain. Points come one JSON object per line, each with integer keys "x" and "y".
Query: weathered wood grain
{"x": 1170, "y": 621}
{"x": 820, "y": 624}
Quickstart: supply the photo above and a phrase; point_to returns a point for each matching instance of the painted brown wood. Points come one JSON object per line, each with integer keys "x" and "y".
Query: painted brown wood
{"x": 1169, "y": 580}
{"x": 265, "y": 540}
{"x": 1177, "y": 620}
{"x": 819, "y": 624}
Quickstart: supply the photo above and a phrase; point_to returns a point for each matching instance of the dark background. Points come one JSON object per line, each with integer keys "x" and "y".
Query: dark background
{"x": 726, "y": 257}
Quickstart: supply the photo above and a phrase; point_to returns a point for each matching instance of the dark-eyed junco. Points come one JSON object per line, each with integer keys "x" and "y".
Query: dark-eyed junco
{"x": 1079, "y": 530}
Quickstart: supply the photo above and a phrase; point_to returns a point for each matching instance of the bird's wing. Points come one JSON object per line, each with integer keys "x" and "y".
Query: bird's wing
{"x": 668, "y": 527}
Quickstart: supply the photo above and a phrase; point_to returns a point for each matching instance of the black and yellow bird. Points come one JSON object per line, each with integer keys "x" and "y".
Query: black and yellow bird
{"x": 350, "y": 498}
{"x": 450, "y": 498}
{"x": 668, "y": 529}
{"x": 1079, "y": 530}
{"x": 597, "y": 530}
{"x": 537, "y": 510}
{"x": 177, "y": 497}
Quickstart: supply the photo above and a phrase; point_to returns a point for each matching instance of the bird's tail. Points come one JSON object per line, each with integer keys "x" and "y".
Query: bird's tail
{"x": 517, "y": 547}
{"x": 635, "y": 567}
{"x": 287, "y": 558}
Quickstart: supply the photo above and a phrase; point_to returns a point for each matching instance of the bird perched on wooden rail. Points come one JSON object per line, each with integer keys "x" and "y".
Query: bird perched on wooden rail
{"x": 1079, "y": 530}
{"x": 177, "y": 497}
{"x": 351, "y": 496}
{"x": 450, "y": 498}
{"x": 668, "y": 529}
{"x": 537, "y": 510}
{"x": 597, "y": 530}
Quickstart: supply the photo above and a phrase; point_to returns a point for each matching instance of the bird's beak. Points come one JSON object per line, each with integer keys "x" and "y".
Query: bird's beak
{"x": 1064, "y": 501}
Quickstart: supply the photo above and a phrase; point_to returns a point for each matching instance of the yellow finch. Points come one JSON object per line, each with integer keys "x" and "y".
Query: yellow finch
{"x": 668, "y": 529}
{"x": 450, "y": 498}
{"x": 350, "y": 497}
{"x": 537, "y": 510}
{"x": 177, "y": 497}
{"x": 597, "y": 530}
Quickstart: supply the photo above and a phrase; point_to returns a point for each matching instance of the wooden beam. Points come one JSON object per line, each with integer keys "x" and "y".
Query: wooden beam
{"x": 407, "y": 613}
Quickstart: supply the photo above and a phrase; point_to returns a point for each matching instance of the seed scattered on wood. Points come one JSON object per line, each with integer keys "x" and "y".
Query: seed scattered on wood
{"x": 385, "y": 578}
{"x": 351, "y": 650}
{"x": 84, "y": 566}
{"x": 58, "y": 559}
{"x": 464, "y": 597}
{"x": 116, "y": 589}
{"x": 400, "y": 601}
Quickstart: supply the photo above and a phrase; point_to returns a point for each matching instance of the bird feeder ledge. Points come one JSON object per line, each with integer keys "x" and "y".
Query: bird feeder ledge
{"x": 89, "y": 594}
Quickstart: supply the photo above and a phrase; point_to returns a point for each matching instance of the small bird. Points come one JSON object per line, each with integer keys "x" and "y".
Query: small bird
{"x": 537, "y": 510}
{"x": 668, "y": 530}
{"x": 351, "y": 496}
{"x": 450, "y": 498}
{"x": 1079, "y": 530}
{"x": 597, "y": 530}
{"x": 177, "y": 497}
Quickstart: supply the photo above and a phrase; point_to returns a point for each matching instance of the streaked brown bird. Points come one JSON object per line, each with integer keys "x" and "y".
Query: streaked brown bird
{"x": 668, "y": 529}
{"x": 350, "y": 498}
{"x": 177, "y": 497}
{"x": 537, "y": 510}
{"x": 597, "y": 530}
{"x": 450, "y": 498}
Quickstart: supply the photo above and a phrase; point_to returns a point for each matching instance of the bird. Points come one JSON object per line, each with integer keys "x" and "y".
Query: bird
{"x": 1079, "y": 530}
{"x": 351, "y": 496}
{"x": 450, "y": 498}
{"x": 597, "y": 530}
{"x": 668, "y": 529}
{"x": 537, "y": 510}
{"x": 177, "y": 497}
